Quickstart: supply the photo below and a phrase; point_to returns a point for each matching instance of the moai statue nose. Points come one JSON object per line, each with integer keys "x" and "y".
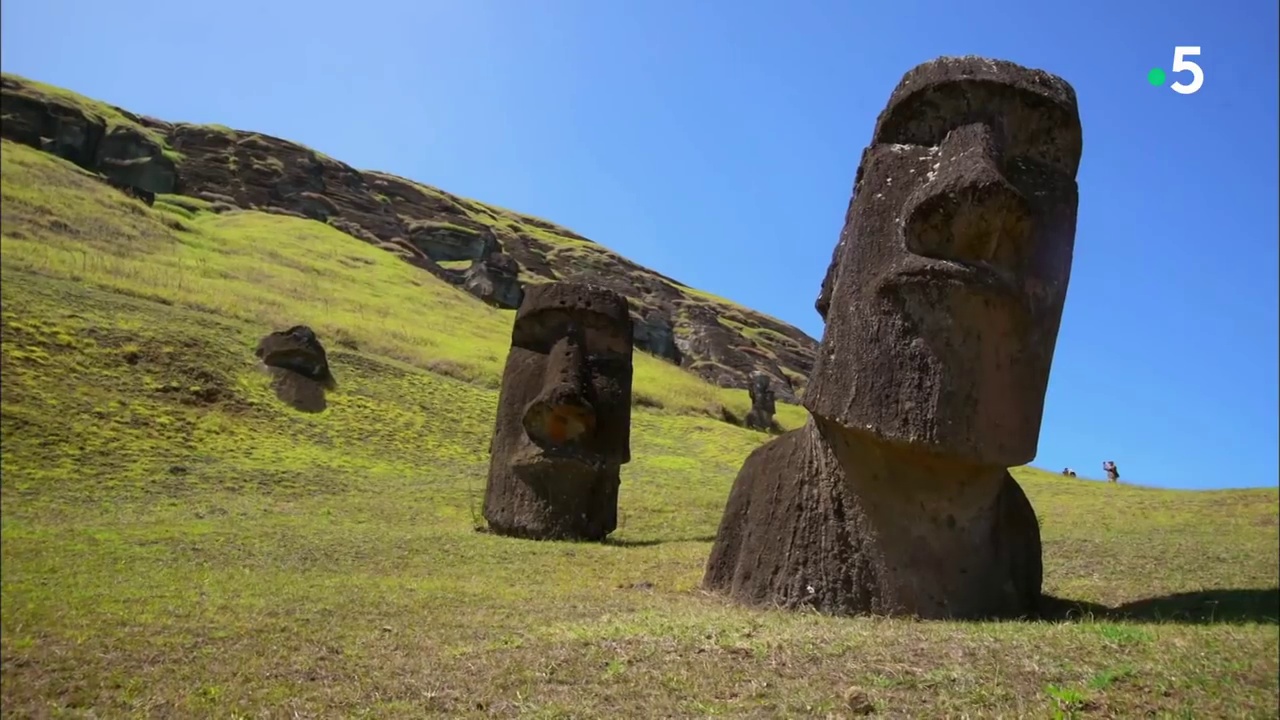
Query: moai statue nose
{"x": 969, "y": 212}
{"x": 561, "y": 414}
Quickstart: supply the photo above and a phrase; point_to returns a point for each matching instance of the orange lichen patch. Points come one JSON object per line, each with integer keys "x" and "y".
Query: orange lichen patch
{"x": 559, "y": 424}
{"x": 568, "y": 422}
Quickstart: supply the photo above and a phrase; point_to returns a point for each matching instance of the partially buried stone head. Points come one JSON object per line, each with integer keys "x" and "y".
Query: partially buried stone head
{"x": 297, "y": 350}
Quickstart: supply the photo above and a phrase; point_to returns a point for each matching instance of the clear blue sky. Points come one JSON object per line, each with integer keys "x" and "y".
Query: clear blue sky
{"x": 717, "y": 142}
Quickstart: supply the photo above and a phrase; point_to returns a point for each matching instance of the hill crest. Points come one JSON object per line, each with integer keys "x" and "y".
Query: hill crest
{"x": 491, "y": 252}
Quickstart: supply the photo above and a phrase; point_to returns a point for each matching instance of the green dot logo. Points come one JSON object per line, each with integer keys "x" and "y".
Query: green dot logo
{"x": 1156, "y": 77}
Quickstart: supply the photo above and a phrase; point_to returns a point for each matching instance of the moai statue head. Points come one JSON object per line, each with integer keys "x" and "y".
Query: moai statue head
{"x": 945, "y": 292}
{"x": 763, "y": 405}
{"x": 298, "y": 366}
{"x": 564, "y": 415}
{"x": 761, "y": 393}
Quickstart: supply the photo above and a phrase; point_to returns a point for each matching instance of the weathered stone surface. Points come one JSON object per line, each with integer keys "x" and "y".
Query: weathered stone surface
{"x": 564, "y": 416}
{"x": 298, "y": 366}
{"x": 495, "y": 279}
{"x": 128, "y": 156}
{"x": 942, "y": 308}
{"x": 721, "y": 356}
{"x": 445, "y": 242}
{"x": 760, "y": 417}
{"x": 656, "y": 333}
{"x": 422, "y": 225}
{"x": 123, "y": 154}
{"x": 59, "y": 129}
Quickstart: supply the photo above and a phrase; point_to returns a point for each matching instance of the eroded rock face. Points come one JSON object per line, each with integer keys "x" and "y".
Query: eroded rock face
{"x": 424, "y": 226}
{"x": 657, "y": 334}
{"x": 942, "y": 307}
{"x": 721, "y": 355}
{"x": 496, "y": 280}
{"x": 128, "y": 156}
{"x": 564, "y": 416}
{"x": 760, "y": 417}
{"x": 444, "y": 242}
{"x": 298, "y": 366}
{"x": 124, "y": 155}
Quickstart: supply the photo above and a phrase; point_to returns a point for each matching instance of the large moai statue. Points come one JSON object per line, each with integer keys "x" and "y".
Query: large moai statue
{"x": 563, "y": 429}
{"x": 942, "y": 305}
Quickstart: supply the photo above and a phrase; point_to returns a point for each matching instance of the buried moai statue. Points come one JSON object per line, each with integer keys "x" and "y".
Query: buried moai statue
{"x": 564, "y": 416}
{"x": 760, "y": 417}
{"x": 298, "y": 367}
{"x": 942, "y": 305}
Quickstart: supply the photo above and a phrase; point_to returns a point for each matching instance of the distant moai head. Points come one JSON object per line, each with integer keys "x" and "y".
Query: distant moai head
{"x": 298, "y": 366}
{"x": 945, "y": 292}
{"x": 761, "y": 393}
{"x": 564, "y": 414}
{"x": 763, "y": 405}
{"x": 297, "y": 350}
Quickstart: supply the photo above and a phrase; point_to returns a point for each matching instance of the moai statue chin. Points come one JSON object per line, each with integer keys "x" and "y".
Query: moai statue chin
{"x": 942, "y": 305}
{"x": 564, "y": 416}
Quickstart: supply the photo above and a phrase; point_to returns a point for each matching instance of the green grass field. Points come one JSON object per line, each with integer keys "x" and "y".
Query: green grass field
{"x": 177, "y": 543}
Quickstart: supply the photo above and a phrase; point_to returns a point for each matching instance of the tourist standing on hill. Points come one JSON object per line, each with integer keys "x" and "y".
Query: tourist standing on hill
{"x": 1109, "y": 467}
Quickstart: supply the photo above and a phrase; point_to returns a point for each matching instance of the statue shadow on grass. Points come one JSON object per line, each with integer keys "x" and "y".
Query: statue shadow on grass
{"x": 297, "y": 391}
{"x": 1254, "y": 605}
{"x": 657, "y": 541}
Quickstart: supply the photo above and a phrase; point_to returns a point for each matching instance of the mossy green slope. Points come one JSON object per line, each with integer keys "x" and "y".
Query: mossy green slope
{"x": 178, "y": 544}
{"x": 255, "y": 171}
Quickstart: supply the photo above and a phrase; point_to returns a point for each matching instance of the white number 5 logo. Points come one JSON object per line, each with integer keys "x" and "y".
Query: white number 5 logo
{"x": 1180, "y": 63}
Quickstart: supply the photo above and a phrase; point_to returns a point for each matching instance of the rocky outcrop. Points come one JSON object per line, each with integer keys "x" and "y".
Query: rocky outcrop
{"x": 123, "y": 152}
{"x": 491, "y": 252}
{"x": 656, "y": 333}
{"x": 442, "y": 241}
{"x": 496, "y": 280}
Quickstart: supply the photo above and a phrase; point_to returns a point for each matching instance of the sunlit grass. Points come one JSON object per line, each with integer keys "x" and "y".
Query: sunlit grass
{"x": 176, "y": 543}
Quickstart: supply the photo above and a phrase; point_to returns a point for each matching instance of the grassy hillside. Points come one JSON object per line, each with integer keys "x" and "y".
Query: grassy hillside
{"x": 176, "y": 543}
{"x": 720, "y": 341}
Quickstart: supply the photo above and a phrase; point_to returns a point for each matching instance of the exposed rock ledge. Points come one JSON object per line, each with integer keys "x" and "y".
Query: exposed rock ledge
{"x": 489, "y": 251}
